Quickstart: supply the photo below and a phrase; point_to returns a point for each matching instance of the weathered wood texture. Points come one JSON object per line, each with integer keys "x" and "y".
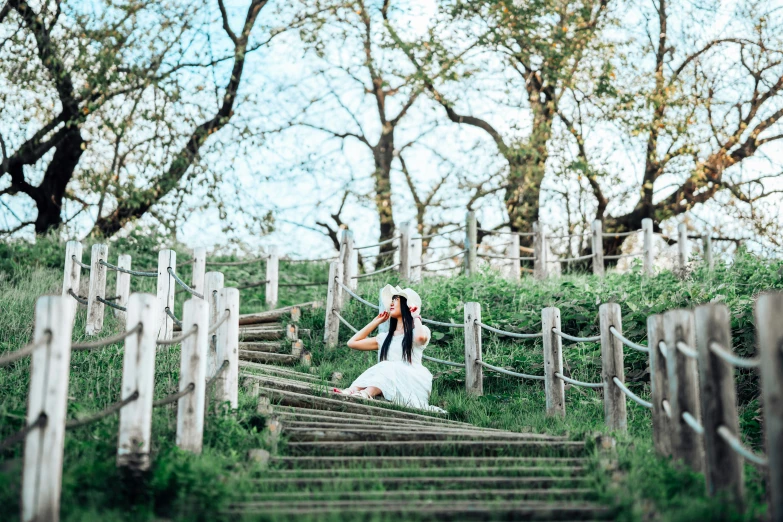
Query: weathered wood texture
{"x": 540, "y": 263}
{"x": 97, "y": 289}
{"x": 165, "y": 293}
{"x": 648, "y": 252}
{"x": 598, "y": 247}
{"x": 72, "y": 274}
{"x": 405, "y": 252}
{"x": 193, "y": 370}
{"x": 659, "y": 387}
{"x": 416, "y": 258}
{"x": 346, "y": 259}
{"x": 474, "y": 373}
{"x": 122, "y": 289}
{"x": 554, "y": 388}
{"x": 272, "y": 271}
{"x": 227, "y": 384}
{"x": 199, "y": 269}
{"x": 213, "y": 284}
{"x": 471, "y": 240}
{"x": 615, "y": 407}
{"x": 514, "y": 267}
{"x": 333, "y": 298}
{"x": 683, "y": 247}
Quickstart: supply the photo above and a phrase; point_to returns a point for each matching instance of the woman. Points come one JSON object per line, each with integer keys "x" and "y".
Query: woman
{"x": 399, "y": 376}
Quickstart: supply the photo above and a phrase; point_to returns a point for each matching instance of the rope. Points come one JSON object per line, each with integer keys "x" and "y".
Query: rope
{"x": 106, "y": 341}
{"x": 88, "y": 267}
{"x": 128, "y": 270}
{"x": 627, "y": 342}
{"x": 510, "y": 334}
{"x": 667, "y": 409}
{"x": 441, "y": 361}
{"x": 441, "y": 269}
{"x": 380, "y": 254}
{"x": 620, "y": 256}
{"x": 321, "y": 260}
{"x": 576, "y": 339}
{"x": 8, "y": 358}
{"x": 177, "y": 340}
{"x": 252, "y": 285}
{"x": 498, "y": 232}
{"x": 319, "y": 283}
{"x": 346, "y": 323}
{"x": 735, "y": 444}
{"x": 117, "y": 406}
{"x": 377, "y": 244}
{"x": 363, "y": 301}
{"x": 220, "y": 370}
{"x": 40, "y": 422}
{"x": 439, "y": 323}
{"x": 621, "y": 234}
{"x": 663, "y": 349}
{"x": 691, "y": 421}
{"x": 173, "y": 317}
{"x": 186, "y": 263}
{"x": 368, "y": 274}
{"x": 569, "y": 259}
{"x": 508, "y": 372}
{"x": 237, "y": 263}
{"x": 446, "y": 372}
{"x": 109, "y": 303}
{"x": 79, "y": 299}
{"x": 174, "y": 396}
{"x": 723, "y": 353}
{"x": 443, "y": 233}
{"x": 214, "y": 327}
{"x": 569, "y": 236}
{"x": 686, "y": 350}
{"x": 492, "y": 256}
{"x": 433, "y": 261}
{"x": 631, "y": 395}
{"x": 579, "y": 383}
{"x": 182, "y": 283}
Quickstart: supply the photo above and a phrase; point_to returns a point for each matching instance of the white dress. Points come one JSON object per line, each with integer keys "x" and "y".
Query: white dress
{"x": 401, "y": 382}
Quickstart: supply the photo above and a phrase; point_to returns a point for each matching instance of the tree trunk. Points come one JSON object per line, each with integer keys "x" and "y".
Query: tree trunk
{"x": 49, "y": 195}
{"x": 383, "y": 154}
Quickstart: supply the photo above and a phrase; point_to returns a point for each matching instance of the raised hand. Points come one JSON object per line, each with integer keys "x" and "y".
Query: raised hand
{"x": 415, "y": 312}
{"x": 382, "y": 317}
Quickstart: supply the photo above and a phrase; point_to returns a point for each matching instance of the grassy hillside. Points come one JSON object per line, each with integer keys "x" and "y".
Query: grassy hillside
{"x": 184, "y": 487}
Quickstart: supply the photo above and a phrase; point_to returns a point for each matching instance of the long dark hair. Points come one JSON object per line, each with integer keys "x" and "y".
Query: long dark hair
{"x": 407, "y": 339}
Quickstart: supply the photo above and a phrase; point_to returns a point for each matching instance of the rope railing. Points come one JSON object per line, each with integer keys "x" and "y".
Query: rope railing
{"x": 177, "y": 340}
{"x": 319, "y": 260}
{"x": 173, "y": 317}
{"x": 694, "y": 424}
{"x": 627, "y": 342}
{"x": 583, "y": 384}
{"x": 509, "y": 334}
{"x": 441, "y": 234}
{"x": 621, "y": 234}
{"x": 379, "y": 254}
{"x": 73, "y": 258}
{"x": 79, "y": 299}
{"x": 622, "y": 256}
{"x": 346, "y": 323}
{"x": 377, "y": 244}
{"x": 503, "y": 232}
{"x": 174, "y": 396}
{"x": 220, "y": 370}
{"x": 493, "y": 256}
{"x": 382, "y": 270}
{"x": 576, "y": 339}
{"x": 740, "y": 362}
{"x": 433, "y": 261}
{"x": 571, "y": 259}
{"x": 110, "y": 304}
{"x": 441, "y": 269}
{"x": 253, "y": 285}
{"x": 236, "y": 263}
{"x": 294, "y": 285}
{"x": 441, "y": 361}
{"x": 140, "y": 273}
{"x": 584, "y": 234}
{"x": 663, "y": 349}
{"x": 223, "y": 319}
{"x": 631, "y": 395}
{"x": 441, "y": 323}
{"x": 114, "y": 408}
{"x": 106, "y": 341}
{"x": 10, "y": 357}
{"x": 20, "y": 435}
{"x": 667, "y": 408}
{"x": 183, "y": 284}
{"x": 358, "y": 298}
{"x": 686, "y": 350}
{"x": 735, "y": 444}
{"x": 509, "y": 372}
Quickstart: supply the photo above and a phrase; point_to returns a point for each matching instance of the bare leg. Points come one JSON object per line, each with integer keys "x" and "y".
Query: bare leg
{"x": 372, "y": 391}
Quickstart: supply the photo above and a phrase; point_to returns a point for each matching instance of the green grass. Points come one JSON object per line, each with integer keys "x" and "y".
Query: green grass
{"x": 181, "y": 486}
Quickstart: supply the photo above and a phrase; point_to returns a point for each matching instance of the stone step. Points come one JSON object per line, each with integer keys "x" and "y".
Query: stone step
{"x": 381, "y": 462}
{"x": 450, "y": 471}
{"x": 440, "y": 447}
{"x": 265, "y": 357}
{"x": 370, "y": 482}
{"x": 352, "y": 429}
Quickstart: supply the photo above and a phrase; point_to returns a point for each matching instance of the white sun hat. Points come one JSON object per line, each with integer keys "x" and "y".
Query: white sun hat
{"x": 390, "y": 291}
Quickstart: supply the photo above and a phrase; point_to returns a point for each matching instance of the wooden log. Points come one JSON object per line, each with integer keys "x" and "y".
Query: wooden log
{"x": 723, "y": 468}
{"x": 138, "y": 376}
{"x": 458, "y": 447}
{"x": 47, "y": 397}
{"x": 123, "y": 290}
{"x": 598, "y": 247}
{"x": 471, "y": 244}
{"x": 72, "y": 274}
{"x": 272, "y": 264}
{"x": 261, "y": 347}
{"x": 354, "y": 283}
{"x": 346, "y": 432}
{"x": 416, "y": 258}
{"x": 346, "y": 259}
{"x": 97, "y": 289}
{"x": 683, "y": 248}
{"x": 276, "y": 370}
{"x": 683, "y": 375}
{"x": 273, "y": 316}
{"x": 292, "y": 332}
{"x": 514, "y": 268}
{"x": 659, "y": 387}
{"x": 648, "y": 257}
{"x": 707, "y": 247}
{"x": 333, "y": 299}
{"x": 193, "y": 371}
{"x": 266, "y": 357}
{"x": 615, "y": 412}
{"x": 769, "y": 335}
{"x": 165, "y": 293}
{"x": 474, "y": 372}
{"x": 199, "y": 268}
{"x": 404, "y": 252}
{"x": 540, "y": 263}
{"x": 227, "y": 384}
{"x": 213, "y": 284}
{"x": 297, "y": 349}
{"x": 554, "y": 388}
{"x": 296, "y": 314}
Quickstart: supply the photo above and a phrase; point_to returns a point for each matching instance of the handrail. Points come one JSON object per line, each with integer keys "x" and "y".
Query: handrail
{"x": 492, "y": 256}
{"x": 501, "y": 232}
{"x": 441, "y": 234}
{"x": 358, "y": 298}
{"x": 106, "y": 341}
{"x": 173, "y": 317}
{"x": 686, "y": 350}
{"x": 214, "y": 327}
{"x": 621, "y": 234}
{"x": 433, "y": 261}
{"x": 177, "y": 340}
{"x": 570, "y": 259}
{"x": 386, "y": 242}
{"x": 10, "y": 357}
{"x": 735, "y": 444}
{"x": 368, "y": 274}
{"x": 139, "y": 273}
{"x": 691, "y": 421}
{"x": 631, "y": 395}
{"x": 663, "y": 349}
{"x": 579, "y": 383}
{"x": 346, "y": 323}
{"x": 510, "y": 334}
{"x": 441, "y": 323}
{"x": 740, "y": 362}
{"x": 509, "y": 372}
{"x": 576, "y": 339}
{"x": 183, "y": 284}
{"x": 73, "y": 258}
{"x": 441, "y": 361}
{"x": 628, "y": 342}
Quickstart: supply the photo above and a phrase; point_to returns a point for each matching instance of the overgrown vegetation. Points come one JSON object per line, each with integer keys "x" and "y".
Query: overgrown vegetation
{"x": 185, "y": 487}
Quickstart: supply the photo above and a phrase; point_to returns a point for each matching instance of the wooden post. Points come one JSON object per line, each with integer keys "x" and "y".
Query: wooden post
{"x": 659, "y": 387}
{"x": 296, "y": 314}
{"x": 48, "y": 397}
{"x": 416, "y": 257}
{"x": 213, "y": 284}
{"x": 769, "y": 335}
{"x": 138, "y": 376}
{"x": 649, "y": 246}
{"x": 72, "y": 274}
{"x": 291, "y": 332}
{"x": 346, "y": 258}
{"x": 333, "y": 297}
{"x": 683, "y": 375}
{"x": 227, "y": 384}
{"x": 97, "y": 289}
{"x": 271, "y": 278}
{"x": 384, "y": 327}
{"x": 165, "y": 294}
{"x": 474, "y": 373}
{"x": 122, "y": 290}
{"x": 554, "y": 388}
{"x": 683, "y": 248}
{"x": 598, "y": 248}
{"x": 540, "y": 263}
{"x": 707, "y": 246}
{"x": 353, "y": 284}
{"x": 723, "y": 468}
{"x": 405, "y": 249}
{"x": 471, "y": 238}
{"x": 615, "y": 412}
{"x": 190, "y": 408}
{"x": 199, "y": 267}
{"x": 514, "y": 264}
